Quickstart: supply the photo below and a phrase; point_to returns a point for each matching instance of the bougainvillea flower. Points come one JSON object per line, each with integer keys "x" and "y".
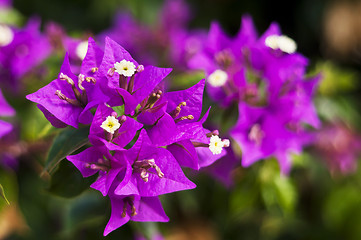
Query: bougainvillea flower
{"x": 265, "y": 76}
{"x": 134, "y": 208}
{"x": 77, "y": 49}
{"x": 261, "y": 135}
{"x": 21, "y": 50}
{"x": 297, "y": 103}
{"x": 176, "y": 122}
{"x": 121, "y": 136}
{"x": 124, "y": 80}
{"x": 220, "y": 60}
{"x": 200, "y": 149}
{"x": 186, "y": 103}
{"x": 98, "y": 160}
{"x": 154, "y": 170}
{"x": 70, "y": 102}
{"x": 130, "y": 34}
{"x": 176, "y": 115}
{"x": 184, "y": 45}
{"x": 339, "y": 147}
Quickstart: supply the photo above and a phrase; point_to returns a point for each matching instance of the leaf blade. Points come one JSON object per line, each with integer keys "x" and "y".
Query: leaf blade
{"x": 64, "y": 144}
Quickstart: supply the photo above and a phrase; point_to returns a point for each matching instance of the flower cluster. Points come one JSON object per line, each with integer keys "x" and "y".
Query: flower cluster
{"x": 21, "y": 49}
{"x": 140, "y": 134}
{"x": 265, "y": 76}
{"x": 339, "y": 147}
{"x": 169, "y": 41}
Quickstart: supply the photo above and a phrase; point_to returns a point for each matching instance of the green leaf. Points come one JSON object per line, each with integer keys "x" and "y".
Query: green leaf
{"x": 64, "y": 144}
{"x": 335, "y": 79}
{"x": 86, "y": 210}
{"x": 2, "y": 193}
{"x": 286, "y": 194}
{"x": 10, "y": 16}
{"x": 68, "y": 182}
{"x": 8, "y": 184}
{"x": 186, "y": 80}
{"x": 278, "y": 191}
{"x": 119, "y": 110}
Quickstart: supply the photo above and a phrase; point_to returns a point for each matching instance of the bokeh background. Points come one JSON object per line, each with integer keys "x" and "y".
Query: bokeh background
{"x": 316, "y": 201}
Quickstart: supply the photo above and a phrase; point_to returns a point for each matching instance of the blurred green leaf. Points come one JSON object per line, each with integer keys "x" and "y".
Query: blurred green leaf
{"x": 342, "y": 210}
{"x": 87, "y": 209}
{"x": 278, "y": 191}
{"x": 10, "y": 16}
{"x": 186, "y": 80}
{"x": 335, "y": 79}
{"x": 286, "y": 193}
{"x": 64, "y": 144}
{"x": 36, "y": 125}
{"x": 2, "y": 193}
{"x": 68, "y": 182}
{"x": 244, "y": 200}
{"x": 8, "y": 183}
{"x": 340, "y": 108}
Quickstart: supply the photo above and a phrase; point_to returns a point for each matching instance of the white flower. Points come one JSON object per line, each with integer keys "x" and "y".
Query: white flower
{"x": 283, "y": 43}
{"x": 125, "y": 68}
{"x": 111, "y": 124}
{"x": 272, "y": 41}
{"x": 6, "y": 35}
{"x": 81, "y": 49}
{"x": 218, "y": 78}
{"x": 287, "y": 44}
{"x": 216, "y": 144}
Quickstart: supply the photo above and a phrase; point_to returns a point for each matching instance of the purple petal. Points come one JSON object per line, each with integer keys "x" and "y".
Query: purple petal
{"x": 173, "y": 180}
{"x": 127, "y": 132}
{"x": 146, "y": 81}
{"x": 247, "y": 34}
{"x": 164, "y": 132}
{"x": 192, "y": 96}
{"x": 150, "y": 210}
{"x": 99, "y": 141}
{"x": 185, "y": 153}
{"x": 61, "y": 109}
{"x": 51, "y": 118}
{"x": 5, "y": 108}
{"x": 217, "y": 39}
{"x": 150, "y": 117}
{"x": 128, "y": 186}
{"x": 88, "y": 156}
{"x": 206, "y": 157}
{"x": 5, "y": 128}
{"x": 93, "y": 57}
{"x": 116, "y": 220}
{"x": 105, "y": 180}
{"x": 202, "y": 61}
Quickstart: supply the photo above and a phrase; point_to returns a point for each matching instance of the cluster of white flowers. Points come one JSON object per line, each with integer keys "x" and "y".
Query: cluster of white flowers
{"x": 284, "y": 43}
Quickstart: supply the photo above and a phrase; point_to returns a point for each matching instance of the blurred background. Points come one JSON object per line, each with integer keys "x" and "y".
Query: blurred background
{"x": 320, "y": 199}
